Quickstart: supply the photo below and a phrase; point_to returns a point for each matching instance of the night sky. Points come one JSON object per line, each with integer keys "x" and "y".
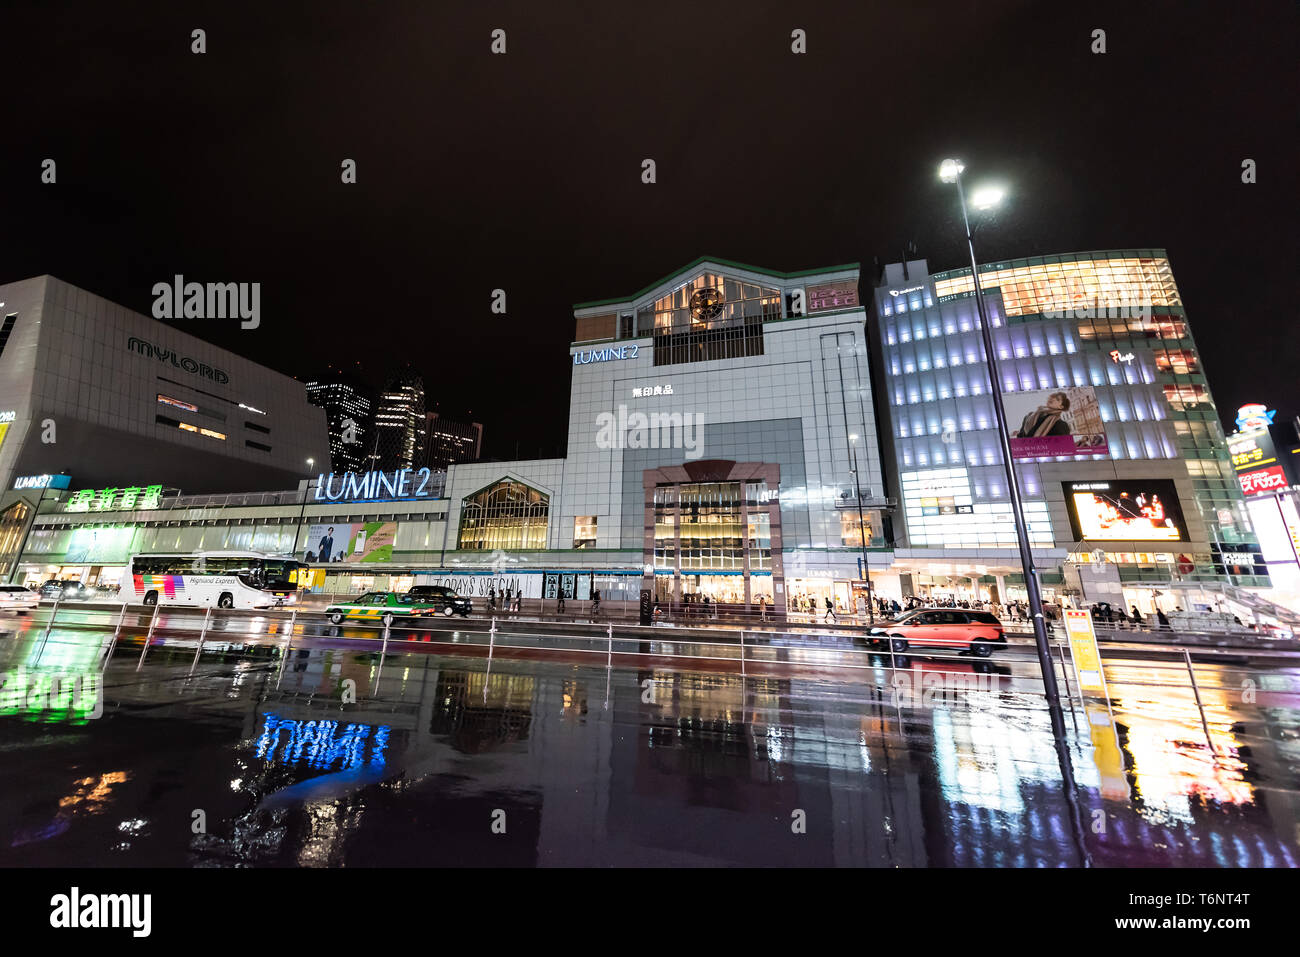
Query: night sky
{"x": 523, "y": 171}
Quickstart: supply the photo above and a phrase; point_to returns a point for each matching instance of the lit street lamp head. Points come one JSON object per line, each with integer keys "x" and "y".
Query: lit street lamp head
{"x": 950, "y": 170}
{"x": 986, "y": 197}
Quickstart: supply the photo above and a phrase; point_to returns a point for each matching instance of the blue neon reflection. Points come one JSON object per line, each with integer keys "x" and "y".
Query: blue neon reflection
{"x": 320, "y": 743}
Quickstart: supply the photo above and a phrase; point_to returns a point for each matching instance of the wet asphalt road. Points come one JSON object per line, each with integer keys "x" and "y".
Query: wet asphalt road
{"x": 818, "y": 755}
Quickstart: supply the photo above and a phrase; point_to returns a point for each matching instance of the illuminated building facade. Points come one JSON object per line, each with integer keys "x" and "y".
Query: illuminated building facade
{"x": 715, "y": 421}
{"x": 1101, "y": 337}
{"x": 399, "y": 424}
{"x": 450, "y": 441}
{"x": 721, "y": 426}
{"x": 347, "y": 410}
{"x": 118, "y": 400}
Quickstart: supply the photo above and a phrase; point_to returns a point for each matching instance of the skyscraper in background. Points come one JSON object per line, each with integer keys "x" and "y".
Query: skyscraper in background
{"x": 347, "y": 406}
{"x": 399, "y": 435}
{"x": 450, "y": 441}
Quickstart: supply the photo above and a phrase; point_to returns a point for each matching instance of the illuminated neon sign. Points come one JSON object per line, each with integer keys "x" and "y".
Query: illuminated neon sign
{"x": 375, "y": 486}
{"x": 42, "y": 481}
{"x": 135, "y": 498}
{"x": 1254, "y": 416}
{"x": 582, "y": 357}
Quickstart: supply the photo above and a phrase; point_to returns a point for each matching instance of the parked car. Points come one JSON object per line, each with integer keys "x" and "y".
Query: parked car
{"x": 446, "y": 599}
{"x": 974, "y": 631}
{"x": 65, "y": 590}
{"x": 385, "y": 606}
{"x": 20, "y": 598}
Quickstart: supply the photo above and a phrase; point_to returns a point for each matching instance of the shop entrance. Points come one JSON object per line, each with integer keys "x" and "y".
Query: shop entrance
{"x": 807, "y": 596}
{"x": 719, "y": 589}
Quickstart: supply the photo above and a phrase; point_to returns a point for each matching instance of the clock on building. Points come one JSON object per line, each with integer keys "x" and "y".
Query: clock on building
{"x": 706, "y": 304}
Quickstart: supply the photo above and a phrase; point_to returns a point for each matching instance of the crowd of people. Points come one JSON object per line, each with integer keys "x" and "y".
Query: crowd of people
{"x": 829, "y": 609}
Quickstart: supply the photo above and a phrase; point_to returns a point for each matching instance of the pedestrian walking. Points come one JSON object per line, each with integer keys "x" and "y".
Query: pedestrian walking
{"x": 1137, "y": 616}
{"x": 492, "y": 599}
{"x": 830, "y": 610}
{"x": 1161, "y": 619}
{"x": 762, "y": 608}
{"x": 559, "y": 609}
{"x": 595, "y": 600}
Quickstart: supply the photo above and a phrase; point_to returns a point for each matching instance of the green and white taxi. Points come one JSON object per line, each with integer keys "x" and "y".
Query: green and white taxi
{"x": 383, "y": 606}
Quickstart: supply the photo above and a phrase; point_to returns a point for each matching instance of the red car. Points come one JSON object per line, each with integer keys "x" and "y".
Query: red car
{"x": 973, "y": 631}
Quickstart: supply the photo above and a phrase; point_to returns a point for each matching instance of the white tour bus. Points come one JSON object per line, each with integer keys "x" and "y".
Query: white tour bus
{"x": 223, "y": 579}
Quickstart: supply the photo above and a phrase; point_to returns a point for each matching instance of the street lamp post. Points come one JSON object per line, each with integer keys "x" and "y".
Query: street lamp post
{"x": 297, "y": 529}
{"x": 950, "y": 172}
{"x": 862, "y": 528}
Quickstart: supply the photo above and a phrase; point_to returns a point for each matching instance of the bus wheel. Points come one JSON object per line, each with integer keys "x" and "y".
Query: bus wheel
{"x": 151, "y": 598}
{"x": 226, "y": 600}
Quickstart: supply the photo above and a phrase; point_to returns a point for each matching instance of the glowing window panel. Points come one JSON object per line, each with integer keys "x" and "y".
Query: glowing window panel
{"x": 168, "y": 400}
{"x": 1071, "y": 286}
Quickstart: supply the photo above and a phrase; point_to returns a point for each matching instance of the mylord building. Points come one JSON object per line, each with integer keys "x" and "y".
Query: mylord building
{"x": 1130, "y": 491}
{"x": 127, "y": 407}
{"x": 722, "y": 442}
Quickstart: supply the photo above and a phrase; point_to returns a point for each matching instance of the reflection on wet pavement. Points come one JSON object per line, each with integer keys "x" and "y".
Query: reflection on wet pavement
{"x": 320, "y": 756}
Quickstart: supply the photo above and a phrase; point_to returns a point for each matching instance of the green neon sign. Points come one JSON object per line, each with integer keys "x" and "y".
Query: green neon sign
{"x": 133, "y": 498}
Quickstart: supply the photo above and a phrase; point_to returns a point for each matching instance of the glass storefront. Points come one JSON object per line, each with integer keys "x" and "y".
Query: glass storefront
{"x": 716, "y": 535}
{"x": 507, "y": 516}
{"x": 808, "y": 597}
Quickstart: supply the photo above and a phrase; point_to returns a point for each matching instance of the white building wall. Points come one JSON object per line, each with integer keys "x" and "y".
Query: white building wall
{"x": 69, "y": 360}
{"x": 786, "y": 405}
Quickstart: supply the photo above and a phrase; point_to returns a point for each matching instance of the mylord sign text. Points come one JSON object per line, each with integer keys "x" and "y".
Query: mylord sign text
{"x": 192, "y": 366}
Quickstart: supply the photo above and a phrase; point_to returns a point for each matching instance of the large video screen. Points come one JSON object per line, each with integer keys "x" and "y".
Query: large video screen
{"x": 1141, "y": 510}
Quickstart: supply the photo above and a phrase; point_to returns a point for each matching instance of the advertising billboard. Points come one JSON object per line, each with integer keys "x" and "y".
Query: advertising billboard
{"x": 92, "y": 546}
{"x": 1050, "y": 422}
{"x": 478, "y": 584}
{"x": 372, "y": 542}
{"x": 840, "y": 295}
{"x": 1139, "y": 510}
{"x": 356, "y": 542}
{"x": 327, "y": 543}
{"x": 1255, "y": 460}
